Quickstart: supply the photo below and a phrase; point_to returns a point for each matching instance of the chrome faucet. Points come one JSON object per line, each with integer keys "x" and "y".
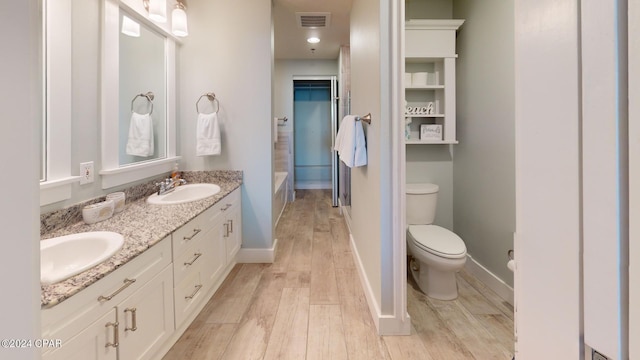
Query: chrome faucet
{"x": 168, "y": 185}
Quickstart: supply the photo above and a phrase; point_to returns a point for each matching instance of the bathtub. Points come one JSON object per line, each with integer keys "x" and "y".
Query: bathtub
{"x": 279, "y": 194}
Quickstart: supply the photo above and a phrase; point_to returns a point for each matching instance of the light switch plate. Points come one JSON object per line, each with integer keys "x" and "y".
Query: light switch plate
{"x": 86, "y": 172}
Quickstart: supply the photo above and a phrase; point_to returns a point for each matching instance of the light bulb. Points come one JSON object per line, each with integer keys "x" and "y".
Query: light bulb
{"x": 179, "y": 21}
{"x": 158, "y": 10}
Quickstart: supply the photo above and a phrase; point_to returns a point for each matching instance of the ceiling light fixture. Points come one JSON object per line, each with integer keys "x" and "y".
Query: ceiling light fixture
{"x": 313, "y": 40}
{"x": 157, "y": 10}
{"x": 179, "y": 20}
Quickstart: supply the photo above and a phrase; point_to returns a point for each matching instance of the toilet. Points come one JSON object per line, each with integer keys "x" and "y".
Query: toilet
{"x": 436, "y": 254}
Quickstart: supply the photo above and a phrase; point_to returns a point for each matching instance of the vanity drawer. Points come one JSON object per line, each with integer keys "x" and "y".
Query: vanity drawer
{"x": 190, "y": 232}
{"x": 192, "y": 258}
{"x": 188, "y": 294}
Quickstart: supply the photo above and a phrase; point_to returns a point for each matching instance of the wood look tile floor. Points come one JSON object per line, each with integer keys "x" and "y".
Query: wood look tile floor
{"x": 309, "y": 304}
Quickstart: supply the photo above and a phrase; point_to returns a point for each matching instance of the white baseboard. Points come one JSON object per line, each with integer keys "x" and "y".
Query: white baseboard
{"x": 489, "y": 279}
{"x": 385, "y": 324}
{"x": 374, "y": 308}
{"x": 308, "y": 185}
{"x": 257, "y": 256}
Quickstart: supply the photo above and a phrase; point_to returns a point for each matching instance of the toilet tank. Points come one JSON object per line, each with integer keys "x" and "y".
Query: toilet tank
{"x": 421, "y": 203}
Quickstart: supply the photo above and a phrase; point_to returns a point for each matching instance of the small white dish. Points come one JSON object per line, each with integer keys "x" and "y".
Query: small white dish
{"x": 101, "y": 211}
{"x": 118, "y": 201}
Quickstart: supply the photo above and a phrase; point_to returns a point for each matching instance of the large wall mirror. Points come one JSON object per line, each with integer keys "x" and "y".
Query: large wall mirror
{"x": 142, "y": 70}
{"x": 138, "y": 97}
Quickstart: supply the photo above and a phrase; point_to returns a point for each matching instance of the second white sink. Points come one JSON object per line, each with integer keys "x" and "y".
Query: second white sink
{"x": 65, "y": 256}
{"x": 184, "y": 194}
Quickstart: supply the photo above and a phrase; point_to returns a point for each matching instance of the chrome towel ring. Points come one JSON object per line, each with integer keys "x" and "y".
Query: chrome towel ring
{"x": 211, "y": 97}
{"x": 149, "y": 96}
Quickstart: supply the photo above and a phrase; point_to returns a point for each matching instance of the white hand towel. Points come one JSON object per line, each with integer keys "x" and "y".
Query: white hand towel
{"x": 350, "y": 142}
{"x": 208, "y": 135}
{"x": 275, "y": 129}
{"x": 360, "y": 156}
{"x": 140, "y": 142}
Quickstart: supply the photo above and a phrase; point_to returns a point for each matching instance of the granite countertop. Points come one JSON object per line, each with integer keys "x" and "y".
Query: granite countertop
{"x": 142, "y": 225}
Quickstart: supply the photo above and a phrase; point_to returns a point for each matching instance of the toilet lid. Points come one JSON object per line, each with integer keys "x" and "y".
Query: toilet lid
{"x": 438, "y": 240}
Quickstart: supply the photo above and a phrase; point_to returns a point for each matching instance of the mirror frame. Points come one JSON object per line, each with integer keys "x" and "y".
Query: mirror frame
{"x": 56, "y": 29}
{"x": 112, "y": 173}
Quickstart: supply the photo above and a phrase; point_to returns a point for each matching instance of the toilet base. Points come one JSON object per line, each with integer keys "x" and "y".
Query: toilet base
{"x": 440, "y": 285}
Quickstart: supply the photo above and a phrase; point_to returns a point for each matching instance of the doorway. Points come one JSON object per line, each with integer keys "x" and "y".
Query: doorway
{"x": 314, "y": 131}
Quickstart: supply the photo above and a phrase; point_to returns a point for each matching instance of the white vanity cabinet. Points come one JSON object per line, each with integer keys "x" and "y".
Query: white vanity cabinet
{"x": 430, "y": 80}
{"x": 125, "y": 315}
{"x": 201, "y": 256}
{"x": 198, "y": 252}
{"x": 141, "y": 309}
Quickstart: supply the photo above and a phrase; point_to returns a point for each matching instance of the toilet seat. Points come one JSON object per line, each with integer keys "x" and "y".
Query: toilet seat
{"x": 438, "y": 241}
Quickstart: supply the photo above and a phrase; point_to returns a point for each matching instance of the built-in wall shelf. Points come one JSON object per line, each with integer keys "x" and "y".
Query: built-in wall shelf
{"x": 421, "y": 142}
{"x": 424, "y": 87}
{"x": 424, "y": 115}
{"x": 430, "y": 81}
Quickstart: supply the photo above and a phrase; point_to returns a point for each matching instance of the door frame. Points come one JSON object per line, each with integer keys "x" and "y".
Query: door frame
{"x": 333, "y": 79}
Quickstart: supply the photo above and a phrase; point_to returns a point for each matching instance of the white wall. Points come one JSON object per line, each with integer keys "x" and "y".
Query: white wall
{"x": 484, "y": 165}
{"x": 429, "y": 9}
{"x": 285, "y": 70}
{"x": 365, "y": 181}
{"x": 233, "y": 61}
{"x": 434, "y": 164}
{"x": 605, "y": 186}
{"x": 547, "y": 284}
{"x": 19, "y": 100}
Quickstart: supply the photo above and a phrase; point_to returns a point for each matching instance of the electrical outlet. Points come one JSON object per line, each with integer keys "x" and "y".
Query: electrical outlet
{"x": 86, "y": 173}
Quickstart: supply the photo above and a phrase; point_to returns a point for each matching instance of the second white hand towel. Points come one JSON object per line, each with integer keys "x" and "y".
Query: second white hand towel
{"x": 208, "y": 135}
{"x": 350, "y": 142}
{"x": 140, "y": 142}
{"x": 360, "y": 156}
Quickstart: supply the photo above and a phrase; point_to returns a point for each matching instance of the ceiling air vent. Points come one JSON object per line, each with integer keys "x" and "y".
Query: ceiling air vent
{"x": 313, "y": 19}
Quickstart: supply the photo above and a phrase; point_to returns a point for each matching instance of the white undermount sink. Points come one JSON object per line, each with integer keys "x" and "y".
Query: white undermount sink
{"x": 184, "y": 194}
{"x": 65, "y": 256}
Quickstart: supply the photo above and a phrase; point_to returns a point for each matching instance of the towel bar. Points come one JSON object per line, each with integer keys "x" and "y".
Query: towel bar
{"x": 212, "y": 97}
{"x": 366, "y": 118}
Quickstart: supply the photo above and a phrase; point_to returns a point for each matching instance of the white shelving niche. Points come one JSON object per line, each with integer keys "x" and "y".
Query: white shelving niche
{"x": 430, "y": 78}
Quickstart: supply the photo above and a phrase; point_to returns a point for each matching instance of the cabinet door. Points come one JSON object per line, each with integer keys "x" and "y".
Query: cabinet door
{"x": 233, "y": 231}
{"x": 214, "y": 258}
{"x": 91, "y": 343}
{"x": 146, "y": 317}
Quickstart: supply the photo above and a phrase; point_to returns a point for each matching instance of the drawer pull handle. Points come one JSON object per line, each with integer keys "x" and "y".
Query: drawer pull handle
{"x": 226, "y": 229}
{"x": 195, "y": 257}
{"x": 195, "y": 232}
{"x": 133, "y": 327}
{"x": 231, "y": 226}
{"x": 127, "y": 283}
{"x": 226, "y": 207}
{"x": 198, "y": 287}
{"x": 115, "y": 342}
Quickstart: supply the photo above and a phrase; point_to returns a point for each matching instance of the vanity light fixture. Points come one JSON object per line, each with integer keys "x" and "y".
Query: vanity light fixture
{"x": 179, "y": 20}
{"x": 313, "y": 40}
{"x": 157, "y": 10}
{"x": 130, "y": 27}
